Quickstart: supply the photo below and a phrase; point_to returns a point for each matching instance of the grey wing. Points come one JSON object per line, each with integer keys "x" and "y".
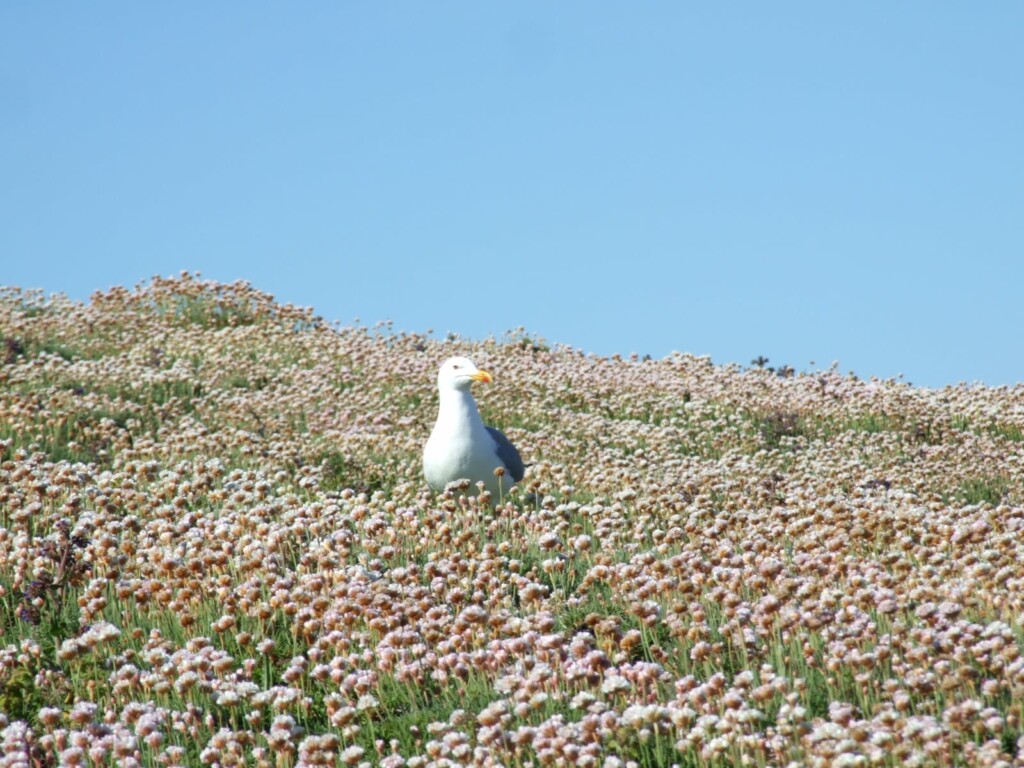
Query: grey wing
{"x": 508, "y": 454}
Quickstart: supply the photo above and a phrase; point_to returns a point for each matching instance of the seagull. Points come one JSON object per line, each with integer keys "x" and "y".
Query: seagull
{"x": 461, "y": 445}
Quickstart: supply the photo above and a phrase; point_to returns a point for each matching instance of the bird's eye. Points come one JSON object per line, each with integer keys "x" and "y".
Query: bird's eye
{"x": 456, "y": 366}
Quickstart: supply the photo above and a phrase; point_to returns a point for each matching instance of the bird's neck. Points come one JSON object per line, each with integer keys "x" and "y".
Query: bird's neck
{"x": 458, "y": 405}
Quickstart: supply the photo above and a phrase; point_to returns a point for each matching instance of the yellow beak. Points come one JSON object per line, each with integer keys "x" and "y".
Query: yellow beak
{"x": 481, "y": 375}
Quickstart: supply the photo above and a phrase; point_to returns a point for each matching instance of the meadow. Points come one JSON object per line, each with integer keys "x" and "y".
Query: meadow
{"x": 217, "y": 548}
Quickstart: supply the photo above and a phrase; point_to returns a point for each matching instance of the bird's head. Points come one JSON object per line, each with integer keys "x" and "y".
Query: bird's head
{"x": 459, "y": 373}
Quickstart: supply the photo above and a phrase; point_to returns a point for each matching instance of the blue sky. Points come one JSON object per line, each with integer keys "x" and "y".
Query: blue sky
{"x": 805, "y": 181}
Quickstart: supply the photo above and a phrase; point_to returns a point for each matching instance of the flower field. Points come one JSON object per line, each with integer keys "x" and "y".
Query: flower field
{"x": 217, "y": 548}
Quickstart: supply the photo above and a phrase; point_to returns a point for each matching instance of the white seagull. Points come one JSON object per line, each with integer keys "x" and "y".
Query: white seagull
{"x": 461, "y": 445}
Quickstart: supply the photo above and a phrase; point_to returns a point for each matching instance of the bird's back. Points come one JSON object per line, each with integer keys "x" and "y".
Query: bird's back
{"x": 508, "y": 454}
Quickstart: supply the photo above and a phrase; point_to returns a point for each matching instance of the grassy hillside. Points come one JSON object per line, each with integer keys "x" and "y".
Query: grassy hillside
{"x": 216, "y": 547}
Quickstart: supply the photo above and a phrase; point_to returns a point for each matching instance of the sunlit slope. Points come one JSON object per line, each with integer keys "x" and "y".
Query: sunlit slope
{"x": 213, "y": 522}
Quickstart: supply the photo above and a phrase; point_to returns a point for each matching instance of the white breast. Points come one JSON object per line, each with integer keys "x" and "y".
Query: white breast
{"x": 460, "y": 447}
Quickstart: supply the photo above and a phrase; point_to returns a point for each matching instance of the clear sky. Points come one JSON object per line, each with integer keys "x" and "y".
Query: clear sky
{"x": 806, "y": 181}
